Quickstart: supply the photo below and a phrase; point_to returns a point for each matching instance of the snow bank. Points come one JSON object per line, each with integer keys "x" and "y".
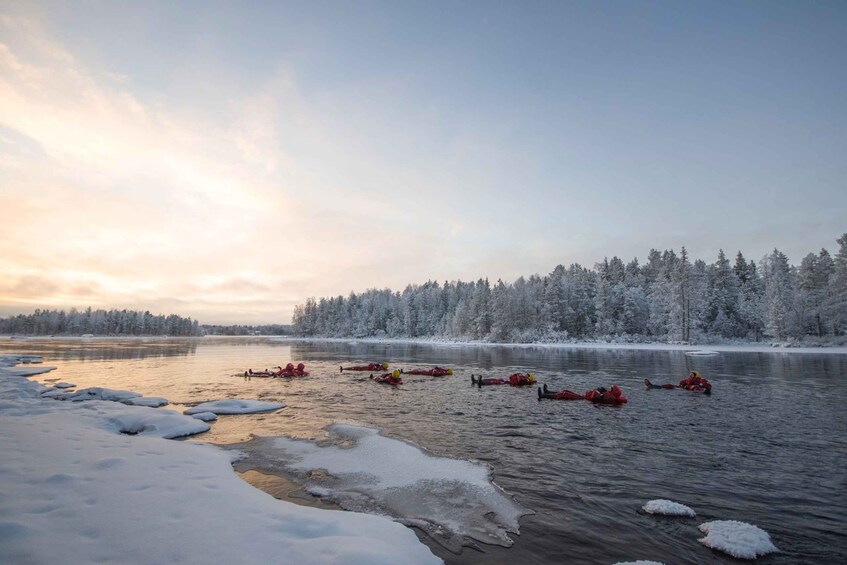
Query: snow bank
{"x": 447, "y": 498}
{"x": 668, "y": 508}
{"x": 741, "y": 540}
{"x": 234, "y": 406}
{"x": 149, "y": 421}
{"x": 99, "y": 393}
{"x": 150, "y": 401}
{"x": 101, "y": 496}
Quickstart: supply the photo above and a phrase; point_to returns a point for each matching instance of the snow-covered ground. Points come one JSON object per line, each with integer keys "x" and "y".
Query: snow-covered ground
{"x": 94, "y": 481}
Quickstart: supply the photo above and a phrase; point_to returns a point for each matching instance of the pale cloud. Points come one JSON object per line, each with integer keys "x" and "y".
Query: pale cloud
{"x": 123, "y": 201}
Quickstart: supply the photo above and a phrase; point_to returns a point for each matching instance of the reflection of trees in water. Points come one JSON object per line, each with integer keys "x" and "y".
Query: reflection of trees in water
{"x": 671, "y": 364}
{"x": 96, "y": 350}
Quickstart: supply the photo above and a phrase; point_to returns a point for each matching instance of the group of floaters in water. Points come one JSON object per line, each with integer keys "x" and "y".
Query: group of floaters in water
{"x": 694, "y": 382}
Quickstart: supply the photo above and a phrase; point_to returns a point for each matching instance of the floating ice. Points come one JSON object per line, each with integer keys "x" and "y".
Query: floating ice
{"x": 205, "y": 416}
{"x": 150, "y": 401}
{"x": 668, "y": 508}
{"x": 640, "y": 562}
{"x": 12, "y": 359}
{"x": 448, "y": 498}
{"x": 738, "y": 539}
{"x": 702, "y": 353}
{"x": 64, "y": 385}
{"x": 234, "y": 406}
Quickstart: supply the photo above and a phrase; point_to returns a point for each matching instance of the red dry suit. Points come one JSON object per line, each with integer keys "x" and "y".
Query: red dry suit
{"x": 603, "y": 396}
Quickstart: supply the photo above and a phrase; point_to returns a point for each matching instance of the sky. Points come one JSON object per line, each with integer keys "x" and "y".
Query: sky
{"x": 227, "y": 160}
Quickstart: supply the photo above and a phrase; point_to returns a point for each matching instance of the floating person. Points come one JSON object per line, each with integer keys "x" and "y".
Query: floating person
{"x": 392, "y": 378}
{"x": 368, "y": 367}
{"x": 516, "y": 379}
{"x": 693, "y": 382}
{"x": 292, "y": 371}
{"x": 599, "y": 395}
{"x": 434, "y": 372}
{"x": 252, "y": 373}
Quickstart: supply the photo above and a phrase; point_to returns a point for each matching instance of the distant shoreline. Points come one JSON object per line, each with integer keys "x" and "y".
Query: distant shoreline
{"x": 693, "y": 349}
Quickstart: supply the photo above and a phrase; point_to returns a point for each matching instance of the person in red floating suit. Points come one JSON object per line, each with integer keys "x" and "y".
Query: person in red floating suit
{"x": 693, "y": 382}
{"x": 516, "y": 379}
{"x": 368, "y": 367}
{"x": 392, "y": 378}
{"x": 434, "y": 372}
{"x": 599, "y": 395}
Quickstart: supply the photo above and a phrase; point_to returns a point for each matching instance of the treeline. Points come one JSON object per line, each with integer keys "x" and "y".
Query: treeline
{"x": 98, "y": 322}
{"x": 668, "y": 298}
{"x": 268, "y": 329}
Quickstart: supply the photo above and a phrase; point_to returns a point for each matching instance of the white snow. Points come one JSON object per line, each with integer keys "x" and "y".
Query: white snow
{"x": 99, "y": 495}
{"x": 640, "y": 562}
{"x": 702, "y": 353}
{"x": 151, "y": 401}
{"x": 733, "y": 348}
{"x": 99, "y": 393}
{"x": 234, "y": 406}
{"x": 448, "y": 498}
{"x": 205, "y": 416}
{"x": 64, "y": 385}
{"x": 668, "y": 508}
{"x": 739, "y": 539}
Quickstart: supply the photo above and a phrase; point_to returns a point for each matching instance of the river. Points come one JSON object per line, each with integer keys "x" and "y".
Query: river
{"x": 768, "y": 447}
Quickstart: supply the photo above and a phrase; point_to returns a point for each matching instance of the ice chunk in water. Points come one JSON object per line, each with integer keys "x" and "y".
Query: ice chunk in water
{"x": 447, "y": 498}
{"x": 668, "y": 508}
{"x": 739, "y": 539}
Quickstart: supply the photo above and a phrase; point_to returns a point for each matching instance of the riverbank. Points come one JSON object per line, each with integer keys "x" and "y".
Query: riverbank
{"x": 105, "y": 493}
{"x": 693, "y": 349}
{"x": 690, "y": 349}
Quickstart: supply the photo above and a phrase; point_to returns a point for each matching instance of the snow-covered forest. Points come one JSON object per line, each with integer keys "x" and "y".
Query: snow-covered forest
{"x": 98, "y": 322}
{"x": 669, "y": 298}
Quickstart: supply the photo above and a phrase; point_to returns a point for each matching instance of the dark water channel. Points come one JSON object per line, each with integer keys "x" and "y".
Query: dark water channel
{"x": 768, "y": 447}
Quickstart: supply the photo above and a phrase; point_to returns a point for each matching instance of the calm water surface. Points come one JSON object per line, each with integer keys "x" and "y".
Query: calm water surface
{"x": 769, "y": 447}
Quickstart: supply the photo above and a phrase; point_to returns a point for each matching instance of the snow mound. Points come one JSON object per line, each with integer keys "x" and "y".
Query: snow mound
{"x": 64, "y": 385}
{"x": 99, "y": 393}
{"x": 668, "y": 508}
{"x": 702, "y": 353}
{"x": 205, "y": 416}
{"x": 152, "y": 422}
{"x": 448, "y": 498}
{"x": 234, "y": 406}
{"x": 739, "y": 539}
{"x": 150, "y": 401}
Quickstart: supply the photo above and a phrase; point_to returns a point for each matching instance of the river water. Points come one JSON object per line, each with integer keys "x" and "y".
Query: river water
{"x": 768, "y": 447}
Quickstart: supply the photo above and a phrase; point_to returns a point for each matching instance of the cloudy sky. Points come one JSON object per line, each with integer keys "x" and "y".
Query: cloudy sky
{"x": 226, "y": 160}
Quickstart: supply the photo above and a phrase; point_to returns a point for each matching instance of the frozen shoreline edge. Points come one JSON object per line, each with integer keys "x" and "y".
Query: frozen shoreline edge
{"x": 652, "y": 346}
{"x": 40, "y": 437}
{"x": 729, "y": 348}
